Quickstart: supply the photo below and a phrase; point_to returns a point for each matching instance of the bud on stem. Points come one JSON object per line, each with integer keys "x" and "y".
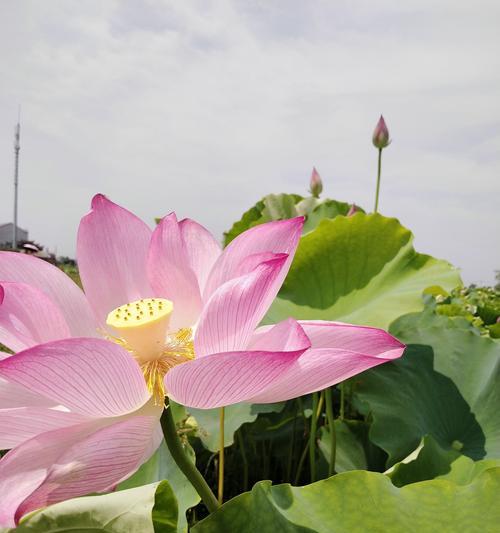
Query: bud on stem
{"x": 380, "y": 137}
{"x": 315, "y": 185}
{"x": 380, "y": 140}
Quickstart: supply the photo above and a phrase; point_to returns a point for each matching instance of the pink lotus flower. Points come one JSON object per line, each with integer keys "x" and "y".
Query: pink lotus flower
{"x": 180, "y": 316}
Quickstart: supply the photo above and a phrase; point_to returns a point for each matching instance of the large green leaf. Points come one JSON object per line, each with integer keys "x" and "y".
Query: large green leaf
{"x": 408, "y": 399}
{"x": 470, "y": 360}
{"x": 361, "y": 269}
{"x": 362, "y": 501}
{"x": 430, "y": 461}
{"x": 119, "y": 512}
{"x": 208, "y": 421}
{"x": 325, "y": 209}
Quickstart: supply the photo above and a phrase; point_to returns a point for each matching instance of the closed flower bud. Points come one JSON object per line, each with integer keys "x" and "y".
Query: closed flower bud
{"x": 352, "y": 210}
{"x": 381, "y": 134}
{"x": 316, "y": 185}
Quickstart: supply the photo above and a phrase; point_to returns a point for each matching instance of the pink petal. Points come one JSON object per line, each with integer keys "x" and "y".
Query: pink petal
{"x": 153, "y": 444}
{"x": 70, "y": 462}
{"x": 251, "y": 262}
{"x": 58, "y": 287}
{"x": 277, "y": 237}
{"x": 28, "y": 317}
{"x": 364, "y": 339}
{"x": 285, "y": 336}
{"x": 234, "y": 310}
{"x": 170, "y": 272}
{"x": 112, "y": 249}
{"x": 23, "y": 423}
{"x": 13, "y": 395}
{"x": 88, "y": 376}
{"x": 202, "y": 249}
{"x": 319, "y": 368}
{"x": 226, "y": 378}
{"x": 231, "y": 377}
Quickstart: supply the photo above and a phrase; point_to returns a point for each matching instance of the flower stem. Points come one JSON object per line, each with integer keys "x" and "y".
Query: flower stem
{"x": 220, "y": 486}
{"x": 187, "y": 467}
{"x": 312, "y": 437}
{"x": 301, "y": 464}
{"x": 331, "y": 427}
{"x": 378, "y": 179}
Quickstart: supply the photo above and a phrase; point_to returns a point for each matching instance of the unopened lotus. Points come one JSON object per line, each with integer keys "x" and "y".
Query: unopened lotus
{"x": 176, "y": 316}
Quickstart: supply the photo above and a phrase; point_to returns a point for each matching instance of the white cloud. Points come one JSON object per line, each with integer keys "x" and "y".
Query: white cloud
{"x": 203, "y": 107}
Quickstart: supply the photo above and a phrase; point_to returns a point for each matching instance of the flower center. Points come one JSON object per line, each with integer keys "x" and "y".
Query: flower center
{"x": 142, "y": 329}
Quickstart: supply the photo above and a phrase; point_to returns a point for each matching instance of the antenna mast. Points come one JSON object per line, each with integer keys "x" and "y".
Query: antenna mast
{"x": 17, "y": 148}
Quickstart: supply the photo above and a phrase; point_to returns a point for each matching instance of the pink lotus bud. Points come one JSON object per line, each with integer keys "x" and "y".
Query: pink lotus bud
{"x": 352, "y": 210}
{"x": 315, "y": 185}
{"x": 381, "y": 134}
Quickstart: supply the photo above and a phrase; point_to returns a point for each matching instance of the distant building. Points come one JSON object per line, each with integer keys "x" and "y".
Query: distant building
{"x": 6, "y": 231}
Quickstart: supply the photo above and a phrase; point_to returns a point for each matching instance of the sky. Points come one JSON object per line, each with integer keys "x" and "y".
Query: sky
{"x": 203, "y": 107}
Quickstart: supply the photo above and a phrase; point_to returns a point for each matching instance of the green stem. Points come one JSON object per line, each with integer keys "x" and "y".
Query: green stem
{"x": 220, "y": 486}
{"x": 301, "y": 464}
{"x": 187, "y": 467}
{"x": 241, "y": 444}
{"x": 378, "y": 179}
{"x": 331, "y": 428}
{"x": 342, "y": 401}
{"x": 320, "y": 404}
{"x": 312, "y": 437}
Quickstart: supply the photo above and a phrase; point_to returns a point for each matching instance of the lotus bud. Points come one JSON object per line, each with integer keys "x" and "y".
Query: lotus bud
{"x": 352, "y": 210}
{"x": 381, "y": 134}
{"x": 316, "y": 185}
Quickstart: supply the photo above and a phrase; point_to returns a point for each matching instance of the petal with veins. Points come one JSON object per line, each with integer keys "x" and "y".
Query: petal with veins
{"x": 13, "y": 395}
{"x": 70, "y": 462}
{"x": 56, "y": 285}
{"x": 28, "y": 317}
{"x": 202, "y": 249}
{"x": 319, "y": 368}
{"x": 112, "y": 248}
{"x": 23, "y": 423}
{"x": 170, "y": 272}
{"x": 231, "y": 377}
{"x": 361, "y": 339}
{"x": 278, "y": 237}
{"x": 89, "y": 376}
{"x": 234, "y": 310}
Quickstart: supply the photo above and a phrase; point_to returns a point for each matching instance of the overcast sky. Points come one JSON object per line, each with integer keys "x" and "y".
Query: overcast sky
{"x": 204, "y": 107}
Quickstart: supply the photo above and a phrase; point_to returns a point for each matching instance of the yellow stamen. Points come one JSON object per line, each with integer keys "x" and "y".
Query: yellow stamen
{"x": 145, "y": 336}
{"x": 179, "y": 348}
{"x": 145, "y": 332}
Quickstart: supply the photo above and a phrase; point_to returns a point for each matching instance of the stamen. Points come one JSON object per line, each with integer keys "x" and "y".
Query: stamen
{"x": 145, "y": 330}
{"x": 147, "y": 340}
{"x": 179, "y": 348}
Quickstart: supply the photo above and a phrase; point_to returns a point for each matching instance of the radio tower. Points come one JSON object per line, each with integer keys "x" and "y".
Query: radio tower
{"x": 17, "y": 148}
